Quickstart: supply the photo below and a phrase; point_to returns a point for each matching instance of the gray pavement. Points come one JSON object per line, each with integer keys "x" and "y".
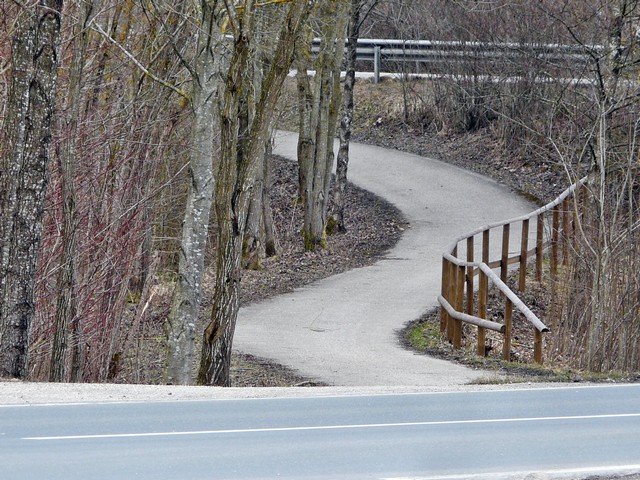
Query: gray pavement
{"x": 342, "y": 330}
{"x": 518, "y": 434}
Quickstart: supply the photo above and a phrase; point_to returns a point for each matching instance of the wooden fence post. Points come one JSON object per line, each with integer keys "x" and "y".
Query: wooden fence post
{"x": 470, "y": 259}
{"x": 539, "y": 247}
{"x": 444, "y": 291}
{"x": 451, "y": 296}
{"x": 453, "y": 292}
{"x": 483, "y": 293}
{"x": 457, "y": 328}
{"x": 537, "y": 346}
{"x": 504, "y": 261}
{"x": 508, "y": 309}
{"x": 524, "y": 247}
{"x": 508, "y": 323}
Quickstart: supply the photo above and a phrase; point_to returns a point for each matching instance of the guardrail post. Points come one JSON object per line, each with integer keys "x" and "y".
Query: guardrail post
{"x": 377, "y": 57}
{"x": 539, "y": 246}
{"x": 524, "y": 248}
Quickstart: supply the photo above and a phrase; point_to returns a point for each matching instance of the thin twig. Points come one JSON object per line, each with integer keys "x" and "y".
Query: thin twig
{"x": 131, "y": 57}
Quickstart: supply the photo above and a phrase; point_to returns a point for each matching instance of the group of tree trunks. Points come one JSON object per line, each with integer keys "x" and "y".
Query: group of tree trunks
{"x": 218, "y": 91}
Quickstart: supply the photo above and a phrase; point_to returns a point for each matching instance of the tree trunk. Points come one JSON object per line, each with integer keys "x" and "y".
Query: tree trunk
{"x": 67, "y": 305}
{"x": 252, "y": 245}
{"x": 235, "y": 180}
{"x": 231, "y": 209}
{"x": 185, "y": 305}
{"x": 260, "y": 234}
{"x": 336, "y": 222}
{"x": 271, "y": 245}
{"x": 603, "y": 180}
{"x": 30, "y": 118}
{"x": 318, "y": 114}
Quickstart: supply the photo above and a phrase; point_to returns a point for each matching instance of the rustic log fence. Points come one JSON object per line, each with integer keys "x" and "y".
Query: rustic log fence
{"x": 550, "y": 228}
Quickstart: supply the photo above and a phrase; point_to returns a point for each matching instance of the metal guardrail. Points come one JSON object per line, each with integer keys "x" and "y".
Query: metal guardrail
{"x": 443, "y": 52}
{"x": 457, "y": 295}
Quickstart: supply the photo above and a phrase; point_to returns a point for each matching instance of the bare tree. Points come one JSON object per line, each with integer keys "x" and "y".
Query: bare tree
{"x": 241, "y": 151}
{"x": 359, "y": 11}
{"x": 67, "y": 306}
{"x": 207, "y": 71}
{"x": 25, "y": 157}
{"x": 117, "y": 125}
{"x": 260, "y": 238}
{"x": 319, "y": 100}
{"x": 599, "y": 328}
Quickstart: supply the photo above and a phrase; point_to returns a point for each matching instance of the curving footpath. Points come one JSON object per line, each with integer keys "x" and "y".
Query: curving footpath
{"x": 343, "y": 330}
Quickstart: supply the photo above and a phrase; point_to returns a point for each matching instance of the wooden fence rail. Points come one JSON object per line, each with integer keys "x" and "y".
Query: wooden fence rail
{"x": 554, "y": 226}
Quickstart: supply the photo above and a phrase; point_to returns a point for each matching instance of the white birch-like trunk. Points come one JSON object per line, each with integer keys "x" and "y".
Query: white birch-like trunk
{"x": 185, "y": 305}
{"x": 25, "y": 158}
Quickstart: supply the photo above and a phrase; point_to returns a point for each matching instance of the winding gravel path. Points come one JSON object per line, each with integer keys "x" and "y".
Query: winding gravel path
{"x": 343, "y": 329}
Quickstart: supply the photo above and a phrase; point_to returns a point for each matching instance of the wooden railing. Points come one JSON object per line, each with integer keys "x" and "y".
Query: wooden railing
{"x": 550, "y": 227}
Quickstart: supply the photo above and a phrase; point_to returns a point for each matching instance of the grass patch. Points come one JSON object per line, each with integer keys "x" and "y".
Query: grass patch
{"x": 424, "y": 336}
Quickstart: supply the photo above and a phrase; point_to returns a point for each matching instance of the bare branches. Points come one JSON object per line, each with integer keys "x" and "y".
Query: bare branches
{"x": 95, "y": 26}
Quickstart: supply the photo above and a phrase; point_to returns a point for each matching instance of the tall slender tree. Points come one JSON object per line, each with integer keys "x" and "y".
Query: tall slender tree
{"x": 67, "y": 306}
{"x": 359, "y": 11}
{"x": 319, "y": 100}
{"x": 241, "y": 151}
{"x": 207, "y": 72}
{"x": 25, "y": 153}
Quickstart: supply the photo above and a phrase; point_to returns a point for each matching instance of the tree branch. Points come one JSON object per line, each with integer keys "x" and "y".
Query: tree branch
{"x": 137, "y": 63}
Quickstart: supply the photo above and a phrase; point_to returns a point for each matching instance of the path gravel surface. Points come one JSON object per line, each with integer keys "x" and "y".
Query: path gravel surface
{"x": 343, "y": 330}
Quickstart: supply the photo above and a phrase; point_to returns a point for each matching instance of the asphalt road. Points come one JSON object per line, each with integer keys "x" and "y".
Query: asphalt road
{"x": 561, "y": 432}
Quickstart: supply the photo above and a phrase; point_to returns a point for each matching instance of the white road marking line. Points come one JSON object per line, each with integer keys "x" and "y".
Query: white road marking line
{"x": 568, "y": 473}
{"x": 334, "y": 427}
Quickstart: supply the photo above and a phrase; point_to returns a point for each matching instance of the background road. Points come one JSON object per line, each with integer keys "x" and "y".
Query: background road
{"x": 493, "y": 434}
